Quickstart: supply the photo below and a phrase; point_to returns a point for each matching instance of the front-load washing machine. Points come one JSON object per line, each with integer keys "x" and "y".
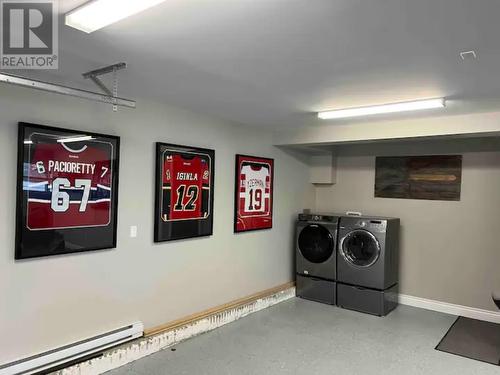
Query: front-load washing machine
{"x": 316, "y": 257}
{"x": 367, "y": 263}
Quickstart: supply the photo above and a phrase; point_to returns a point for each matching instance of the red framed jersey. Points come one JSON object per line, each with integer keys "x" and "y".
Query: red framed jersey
{"x": 254, "y": 193}
{"x": 68, "y": 188}
{"x": 185, "y": 186}
{"x": 255, "y": 190}
{"x": 184, "y": 192}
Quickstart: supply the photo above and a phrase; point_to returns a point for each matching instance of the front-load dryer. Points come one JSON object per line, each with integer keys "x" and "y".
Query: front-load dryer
{"x": 316, "y": 245}
{"x": 367, "y": 263}
{"x": 316, "y": 257}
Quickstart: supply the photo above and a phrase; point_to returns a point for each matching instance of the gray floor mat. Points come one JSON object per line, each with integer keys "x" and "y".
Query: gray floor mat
{"x": 474, "y": 339}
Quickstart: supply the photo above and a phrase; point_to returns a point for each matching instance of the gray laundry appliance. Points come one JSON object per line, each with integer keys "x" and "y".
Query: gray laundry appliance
{"x": 368, "y": 264}
{"x": 316, "y": 257}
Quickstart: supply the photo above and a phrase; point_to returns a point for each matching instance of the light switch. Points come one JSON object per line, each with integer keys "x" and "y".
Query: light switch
{"x": 133, "y": 231}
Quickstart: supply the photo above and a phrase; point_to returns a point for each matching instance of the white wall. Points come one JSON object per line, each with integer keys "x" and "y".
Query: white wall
{"x": 449, "y": 250}
{"x": 52, "y": 301}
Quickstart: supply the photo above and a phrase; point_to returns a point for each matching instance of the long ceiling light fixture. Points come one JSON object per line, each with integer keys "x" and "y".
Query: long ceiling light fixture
{"x": 75, "y": 139}
{"x": 97, "y": 14}
{"x": 381, "y": 109}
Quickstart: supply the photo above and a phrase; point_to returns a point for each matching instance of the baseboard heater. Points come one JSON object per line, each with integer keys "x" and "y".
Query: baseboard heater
{"x": 72, "y": 352}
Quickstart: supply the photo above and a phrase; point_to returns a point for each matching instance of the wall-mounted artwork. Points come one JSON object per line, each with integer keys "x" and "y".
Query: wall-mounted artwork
{"x": 437, "y": 177}
{"x": 67, "y": 189}
{"x": 184, "y": 192}
{"x": 253, "y": 193}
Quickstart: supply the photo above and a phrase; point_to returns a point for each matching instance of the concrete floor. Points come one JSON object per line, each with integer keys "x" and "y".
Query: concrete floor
{"x": 302, "y": 337}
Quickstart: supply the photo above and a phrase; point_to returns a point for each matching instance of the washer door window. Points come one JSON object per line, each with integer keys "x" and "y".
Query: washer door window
{"x": 360, "y": 248}
{"x": 316, "y": 243}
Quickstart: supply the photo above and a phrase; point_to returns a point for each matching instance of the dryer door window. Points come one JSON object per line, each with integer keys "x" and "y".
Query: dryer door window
{"x": 316, "y": 243}
{"x": 360, "y": 248}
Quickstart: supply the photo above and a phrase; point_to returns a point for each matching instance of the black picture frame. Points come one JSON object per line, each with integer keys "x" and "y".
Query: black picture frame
{"x": 260, "y": 222}
{"x": 172, "y": 220}
{"x": 41, "y": 232}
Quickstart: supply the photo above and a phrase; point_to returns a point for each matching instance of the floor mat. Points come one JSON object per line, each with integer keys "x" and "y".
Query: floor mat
{"x": 474, "y": 339}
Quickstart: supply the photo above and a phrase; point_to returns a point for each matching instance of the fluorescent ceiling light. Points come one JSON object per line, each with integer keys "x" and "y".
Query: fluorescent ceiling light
{"x": 97, "y": 14}
{"x": 28, "y": 142}
{"x": 75, "y": 139}
{"x": 380, "y": 109}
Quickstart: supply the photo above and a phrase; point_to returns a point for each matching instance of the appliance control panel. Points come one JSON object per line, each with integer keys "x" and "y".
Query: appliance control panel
{"x": 318, "y": 217}
{"x": 373, "y": 225}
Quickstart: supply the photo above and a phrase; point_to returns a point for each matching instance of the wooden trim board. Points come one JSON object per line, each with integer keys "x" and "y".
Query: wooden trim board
{"x": 215, "y": 310}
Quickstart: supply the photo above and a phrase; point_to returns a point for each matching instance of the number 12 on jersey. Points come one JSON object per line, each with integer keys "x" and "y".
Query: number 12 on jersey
{"x": 190, "y": 194}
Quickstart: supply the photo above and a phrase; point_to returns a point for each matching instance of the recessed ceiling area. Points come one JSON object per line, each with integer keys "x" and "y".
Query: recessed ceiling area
{"x": 275, "y": 63}
{"x": 409, "y": 146}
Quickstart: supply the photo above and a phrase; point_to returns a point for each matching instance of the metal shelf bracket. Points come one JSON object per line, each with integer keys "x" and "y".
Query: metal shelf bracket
{"x": 94, "y": 75}
{"x": 110, "y": 97}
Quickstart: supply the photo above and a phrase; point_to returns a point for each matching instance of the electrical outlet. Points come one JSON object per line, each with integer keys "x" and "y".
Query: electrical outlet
{"x": 133, "y": 231}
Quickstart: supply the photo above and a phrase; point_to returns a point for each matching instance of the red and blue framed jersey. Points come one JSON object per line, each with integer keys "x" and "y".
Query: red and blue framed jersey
{"x": 67, "y": 191}
{"x": 69, "y": 187}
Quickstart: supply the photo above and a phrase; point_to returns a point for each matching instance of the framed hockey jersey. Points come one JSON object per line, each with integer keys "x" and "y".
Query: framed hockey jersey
{"x": 67, "y": 188}
{"x": 184, "y": 192}
{"x": 253, "y": 193}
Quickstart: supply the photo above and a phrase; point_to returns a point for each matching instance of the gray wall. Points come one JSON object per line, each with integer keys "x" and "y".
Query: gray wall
{"x": 450, "y": 251}
{"x": 52, "y": 301}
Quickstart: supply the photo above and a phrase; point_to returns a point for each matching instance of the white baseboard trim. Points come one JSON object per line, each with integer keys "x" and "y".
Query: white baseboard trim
{"x": 143, "y": 347}
{"x": 450, "y": 308}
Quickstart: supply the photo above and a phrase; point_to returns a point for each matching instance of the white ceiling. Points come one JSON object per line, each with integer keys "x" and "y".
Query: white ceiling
{"x": 274, "y": 62}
